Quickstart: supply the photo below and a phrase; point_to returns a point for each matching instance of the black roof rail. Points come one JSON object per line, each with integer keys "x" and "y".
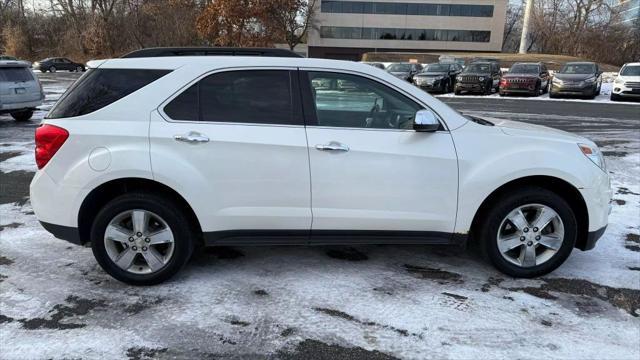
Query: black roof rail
{"x": 210, "y": 51}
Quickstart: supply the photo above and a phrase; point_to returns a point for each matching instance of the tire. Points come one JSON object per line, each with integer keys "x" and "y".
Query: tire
{"x": 487, "y": 89}
{"x": 457, "y": 92}
{"x": 495, "y": 223}
{"x": 78, "y": 69}
{"x": 43, "y": 71}
{"x": 614, "y": 97}
{"x": 24, "y": 115}
{"x": 446, "y": 88}
{"x": 52, "y": 69}
{"x": 538, "y": 90}
{"x": 161, "y": 214}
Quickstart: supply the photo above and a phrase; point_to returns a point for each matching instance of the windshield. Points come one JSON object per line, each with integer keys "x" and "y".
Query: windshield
{"x": 437, "y": 68}
{"x": 478, "y": 68}
{"x": 578, "y": 69}
{"x": 633, "y": 70}
{"x": 524, "y": 69}
{"x": 399, "y": 68}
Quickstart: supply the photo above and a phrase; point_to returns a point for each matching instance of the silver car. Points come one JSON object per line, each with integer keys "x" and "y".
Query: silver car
{"x": 20, "y": 90}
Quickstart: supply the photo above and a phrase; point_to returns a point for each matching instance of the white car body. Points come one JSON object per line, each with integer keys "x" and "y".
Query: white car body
{"x": 265, "y": 178}
{"x": 627, "y": 86}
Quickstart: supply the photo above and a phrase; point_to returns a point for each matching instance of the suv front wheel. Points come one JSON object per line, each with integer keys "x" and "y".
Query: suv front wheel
{"x": 142, "y": 239}
{"x": 529, "y": 232}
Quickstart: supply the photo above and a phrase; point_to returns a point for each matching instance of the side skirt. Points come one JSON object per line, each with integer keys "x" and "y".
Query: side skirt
{"x": 331, "y": 237}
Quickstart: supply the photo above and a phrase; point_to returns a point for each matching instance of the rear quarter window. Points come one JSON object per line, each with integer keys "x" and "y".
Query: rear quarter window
{"x": 101, "y": 87}
{"x": 15, "y": 74}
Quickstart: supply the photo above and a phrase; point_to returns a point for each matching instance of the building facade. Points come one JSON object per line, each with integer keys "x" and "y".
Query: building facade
{"x": 629, "y": 12}
{"x": 345, "y": 29}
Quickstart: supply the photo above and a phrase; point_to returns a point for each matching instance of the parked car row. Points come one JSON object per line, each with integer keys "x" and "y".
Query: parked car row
{"x": 484, "y": 76}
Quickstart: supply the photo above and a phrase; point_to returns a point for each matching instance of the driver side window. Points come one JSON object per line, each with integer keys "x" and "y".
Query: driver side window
{"x": 345, "y": 100}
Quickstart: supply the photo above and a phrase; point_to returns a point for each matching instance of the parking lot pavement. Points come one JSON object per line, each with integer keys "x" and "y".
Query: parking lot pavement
{"x": 365, "y": 302}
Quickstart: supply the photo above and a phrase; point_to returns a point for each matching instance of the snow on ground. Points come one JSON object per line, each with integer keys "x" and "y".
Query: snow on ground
{"x": 367, "y": 302}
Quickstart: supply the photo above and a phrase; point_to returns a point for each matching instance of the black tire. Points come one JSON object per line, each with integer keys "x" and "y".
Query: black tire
{"x": 183, "y": 234}
{"x": 43, "y": 71}
{"x": 614, "y": 97}
{"x": 52, "y": 69}
{"x": 538, "y": 90}
{"x": 487, "y": 89}
{"x": 488, "y": 227}
{"x": 457, "y": 92}
{"x": 446, "y": 88}
{"x": 24, "y": 115}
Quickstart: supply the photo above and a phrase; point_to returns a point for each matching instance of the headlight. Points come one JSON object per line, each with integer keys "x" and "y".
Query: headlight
{"x": 481, "y": 78}
{"x": 594, "y": 154}
{"x": 557, "y": 81}
{"x": 618, "y": 81}
{"x": 591, "y": 79}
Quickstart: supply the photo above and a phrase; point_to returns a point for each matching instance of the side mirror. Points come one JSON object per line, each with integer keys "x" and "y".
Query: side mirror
{"x": 425, "y": 121}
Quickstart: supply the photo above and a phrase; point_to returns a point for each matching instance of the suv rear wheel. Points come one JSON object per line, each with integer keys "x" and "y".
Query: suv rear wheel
{"x": 529, "y": 232}
{"x": 142, "y": 239}
{"x": 24, "y": 115}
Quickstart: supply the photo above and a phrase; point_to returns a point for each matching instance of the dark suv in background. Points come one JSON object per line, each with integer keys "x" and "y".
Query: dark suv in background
{"x": 525, "y": 78}
{"x": 404, "y": 71}
{"x": 479, "y": 77}
{"x": 55, "y": 64}
{"x": 577, "y": 78}
{"x": 438, "y": 77}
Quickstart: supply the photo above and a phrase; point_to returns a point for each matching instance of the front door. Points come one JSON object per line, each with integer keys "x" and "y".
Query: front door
{"x": 234, "y": 143}
{"x": 372, "y": 174}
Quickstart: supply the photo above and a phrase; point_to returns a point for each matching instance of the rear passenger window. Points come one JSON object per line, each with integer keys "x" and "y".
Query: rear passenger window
{"x": 100, "y": 87}
{"x": 251, "y": 96}
{"x": 15, "y": 74}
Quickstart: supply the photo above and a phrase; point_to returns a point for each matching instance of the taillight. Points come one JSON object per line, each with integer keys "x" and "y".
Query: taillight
{"x": 503, "y": 82}
{"x": 49, "y": 139}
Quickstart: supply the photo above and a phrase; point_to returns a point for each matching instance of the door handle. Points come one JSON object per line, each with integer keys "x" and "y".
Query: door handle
{"x": 192, "y": 138}
{"x": 332, "y": 146}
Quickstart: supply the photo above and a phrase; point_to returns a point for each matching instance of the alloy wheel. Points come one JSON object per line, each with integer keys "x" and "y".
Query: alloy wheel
{"x": 139, "y": 241}
{"x": 530, "y": 235}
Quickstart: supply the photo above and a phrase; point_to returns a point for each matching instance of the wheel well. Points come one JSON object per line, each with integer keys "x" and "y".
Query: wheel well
{"x": 562, "y": 188}
{"x": 106, "y": 192}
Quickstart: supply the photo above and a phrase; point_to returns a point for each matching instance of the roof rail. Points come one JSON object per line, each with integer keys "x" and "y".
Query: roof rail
{"x": 209, "y": 51}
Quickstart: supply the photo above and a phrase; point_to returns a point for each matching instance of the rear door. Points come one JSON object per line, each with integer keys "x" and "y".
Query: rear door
{"x": 372, "y": 174}
{"x": 233, "y": 143}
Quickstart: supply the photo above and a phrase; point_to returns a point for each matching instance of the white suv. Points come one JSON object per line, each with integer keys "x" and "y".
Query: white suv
{"x": 20, "y": 90}
{"x": 154, "y": 156}
{"x": 627, "y": 83}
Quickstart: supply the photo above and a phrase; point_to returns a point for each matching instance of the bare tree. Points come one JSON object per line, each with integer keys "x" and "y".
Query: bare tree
{"x": 289, "y": 19}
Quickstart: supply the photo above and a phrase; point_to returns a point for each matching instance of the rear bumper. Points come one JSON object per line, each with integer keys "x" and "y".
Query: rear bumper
{"x": 10, "y": 107}
{"x": 68, "y": 233}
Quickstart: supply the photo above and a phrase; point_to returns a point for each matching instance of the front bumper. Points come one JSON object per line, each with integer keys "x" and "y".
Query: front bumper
{"x": 428, "y": 85}
{"x": 523, "y": 89}
{"x": 626, "y": 91}
{"x": 471, "y": 87}
{"x": 579, "y": 89}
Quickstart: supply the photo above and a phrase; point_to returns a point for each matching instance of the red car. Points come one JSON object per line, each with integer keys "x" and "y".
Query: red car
{"x": 525, "y": 78}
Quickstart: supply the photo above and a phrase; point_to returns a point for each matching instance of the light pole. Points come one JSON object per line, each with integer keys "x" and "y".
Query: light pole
{"x": 525, "y": 27}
